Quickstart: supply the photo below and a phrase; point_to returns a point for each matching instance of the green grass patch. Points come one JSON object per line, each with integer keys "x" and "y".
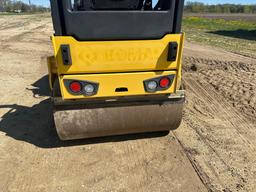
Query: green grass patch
{"x": 234, "y": 35}
{"x": 218, "y": 24}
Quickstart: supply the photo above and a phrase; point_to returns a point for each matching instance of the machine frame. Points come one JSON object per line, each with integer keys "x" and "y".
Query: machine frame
{"x": 119, "y": 64}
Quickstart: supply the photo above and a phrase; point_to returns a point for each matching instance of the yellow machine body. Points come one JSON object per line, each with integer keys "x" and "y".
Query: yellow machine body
{"x": 116, "y": 67}
{"x": 117, "y": 56}
{"x": 115, "y": 64}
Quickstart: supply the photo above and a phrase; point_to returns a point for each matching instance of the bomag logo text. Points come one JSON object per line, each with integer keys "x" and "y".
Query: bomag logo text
{"x": 120, "y": 54}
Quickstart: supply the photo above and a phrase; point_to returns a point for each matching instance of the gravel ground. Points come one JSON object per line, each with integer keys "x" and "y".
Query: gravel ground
{"x": 213, "y": 150}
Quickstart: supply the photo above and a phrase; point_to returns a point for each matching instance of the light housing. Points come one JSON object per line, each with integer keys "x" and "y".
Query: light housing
{"x": 163, "y": 83}
{"x": 78, "y": 87}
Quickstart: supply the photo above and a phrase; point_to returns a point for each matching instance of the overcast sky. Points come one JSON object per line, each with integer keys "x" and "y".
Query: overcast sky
{"x": 46, "y": 2}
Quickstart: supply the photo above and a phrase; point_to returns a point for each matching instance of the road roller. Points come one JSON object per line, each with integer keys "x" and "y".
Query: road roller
{"x": 116, "y": 67}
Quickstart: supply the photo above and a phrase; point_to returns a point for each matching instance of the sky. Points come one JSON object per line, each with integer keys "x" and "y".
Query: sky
{"x": 46, "y": 2}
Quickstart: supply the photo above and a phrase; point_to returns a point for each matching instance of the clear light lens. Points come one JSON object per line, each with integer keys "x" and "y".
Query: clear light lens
{"x": 152, "y": 85}
{"x": 89, "y": 88}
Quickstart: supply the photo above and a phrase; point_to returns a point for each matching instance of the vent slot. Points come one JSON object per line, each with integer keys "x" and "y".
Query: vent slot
{"x": 121, "y": 89}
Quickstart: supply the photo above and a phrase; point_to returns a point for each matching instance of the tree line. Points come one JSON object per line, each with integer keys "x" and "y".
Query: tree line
{"x": 190, "y": 7}
{"x": 20, "y": 7}
{"x": 196, "y": 7}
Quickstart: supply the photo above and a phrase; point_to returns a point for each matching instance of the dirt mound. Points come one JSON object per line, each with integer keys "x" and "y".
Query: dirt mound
{"x": 218, "y": 131}
{"x": 234, "y": 80}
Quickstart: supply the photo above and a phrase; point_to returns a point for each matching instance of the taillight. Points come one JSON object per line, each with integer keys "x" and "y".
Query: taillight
{"x": 75, "y": 86}
{"x": 158, "y": 84}
{"x": 89, "y": 89}
{"x": 164, "y": 82}
{"x": 152, "y": 85}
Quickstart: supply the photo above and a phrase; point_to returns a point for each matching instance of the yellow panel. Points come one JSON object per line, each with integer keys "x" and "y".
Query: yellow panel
{"x": 52, "y": 70}
{"x": 179, "y": 67}
{"x": 109, "y": 82}
{"x": 117, "y": 56}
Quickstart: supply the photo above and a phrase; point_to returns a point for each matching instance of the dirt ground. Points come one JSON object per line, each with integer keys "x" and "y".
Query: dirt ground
{"x": 213, "y": 150}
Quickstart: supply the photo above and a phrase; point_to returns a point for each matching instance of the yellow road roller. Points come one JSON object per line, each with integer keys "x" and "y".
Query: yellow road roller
{"x": 116, "y": 67}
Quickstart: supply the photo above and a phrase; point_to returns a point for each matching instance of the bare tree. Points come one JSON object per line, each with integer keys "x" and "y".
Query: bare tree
{"x": 3, "y": 3}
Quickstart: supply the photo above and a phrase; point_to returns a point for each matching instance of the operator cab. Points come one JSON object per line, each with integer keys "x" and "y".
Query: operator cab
{"x": 88, "y": 20}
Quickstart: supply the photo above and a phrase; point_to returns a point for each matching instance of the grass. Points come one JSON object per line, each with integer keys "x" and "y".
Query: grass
{"x": 25, "y": 13}
{"x": 7, "y": 13}
{"x": 234, "y": 35}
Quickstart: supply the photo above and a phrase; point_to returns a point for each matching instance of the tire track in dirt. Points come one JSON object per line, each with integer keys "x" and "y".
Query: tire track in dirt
{"x": 220, "y": 142}
{"x": 22, "y": 43}
{"x": 20, "y": 36}
{"x": 229, "y": 113}
{"x": 7, "y": 24}
{"x": 235, "y": 81}
{"x": 218, "y": 138}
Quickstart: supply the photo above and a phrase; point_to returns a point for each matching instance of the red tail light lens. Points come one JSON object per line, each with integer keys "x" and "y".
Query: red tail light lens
{"x": 75, "y": 87}
{"x": 164, "y": 82}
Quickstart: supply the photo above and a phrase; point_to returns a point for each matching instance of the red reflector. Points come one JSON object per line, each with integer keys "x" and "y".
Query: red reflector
{"x": 164, "y": 82}
{"x": 75, "y": 87}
